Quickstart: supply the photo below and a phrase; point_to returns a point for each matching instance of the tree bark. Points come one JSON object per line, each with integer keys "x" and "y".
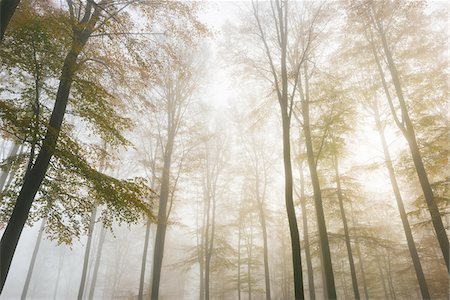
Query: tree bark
{"x": 262, "y": 218}
{"x": 161, "y": 227}
{"x": 324, "y": 244}
{"x": 144, "y": 261}
{"x": 312, "y": 293}
{"x": 33, "y": 260}
{"x": 87, "y": 252}
{"x": 97, "y": 262}
{"x": 406, "y": 228}
{"x": 361, "y": 262}
{"x": 34, "y": 177}
{"x": 407, "y": 129}
{"x": 346, "y": 231}
{"x": 7, "y": 9}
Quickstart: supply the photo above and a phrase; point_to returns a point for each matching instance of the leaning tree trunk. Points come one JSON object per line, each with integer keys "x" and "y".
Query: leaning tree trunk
{"x": 324, "y": 244}
{"x": 87, "y": 253}
{"x": 97, "y": 262}
{"x": 312, "y": 293}
{"x": 33, "y": 260}
{"x": 346, "y": 231}
{"x": 35, "y": 175}
{"x": 407, "y": 129}
{"x": 406, "y": 228}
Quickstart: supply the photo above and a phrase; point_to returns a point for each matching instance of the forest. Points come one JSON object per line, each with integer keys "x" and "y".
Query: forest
{"x": 176, "y": 149}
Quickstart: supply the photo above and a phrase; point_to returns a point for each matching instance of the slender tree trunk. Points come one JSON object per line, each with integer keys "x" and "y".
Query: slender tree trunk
{"x": 387, "y": 262}
{"x": 312, "y": 293}
{"x": 87, "y": 252}
{"x": 97, "y": 262}
{"x": 324, "y": 244}
{"x": 262, "y": 219}
{"x": 346, "y": 231}
{"x": 239, "y": 264}
{"x": 380, "y": 270}
{"x": 361, "y": 262}
{"x": 406, "y": 228}
{"x": 34, "y": 176}
{"x": 33, "y": 260}
{"x": 407, "y": 129}
{"x": 162, "y": 218}
{"x": 209, "y": 250}
{"x": 249, "y": 262}
{"x": 60, "y": 265}
{"x": 7, "y": 9}
{"x": 144, "y": 261}
{"x": 13, "y": 152}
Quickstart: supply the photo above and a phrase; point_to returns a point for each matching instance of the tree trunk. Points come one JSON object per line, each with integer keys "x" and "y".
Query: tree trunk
{"x": 380, "y": 270}
{"x": 161, "y": 227}
{"x": 361, "y": 262}
{"x": 312, "y": 293}
{"x": 262, "y": 219}
{"x": 33, "y": 260}
{"x": 144, "y": 261}
{"x": 7, "y": 9}
{"x": 60, "y": 265}
{"x": 406, "y": 127}
{"x": 87, "y": 252}
{"x": 346, "y": 232}
{"x": 406, "y": 228}
{"x": 324, "y": 245}
{"x": 34, "y": 177}
{"x": 97, "y": 262}
{"x": 239, "y": 264}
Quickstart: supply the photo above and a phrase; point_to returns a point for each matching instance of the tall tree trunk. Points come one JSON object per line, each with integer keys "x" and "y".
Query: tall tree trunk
{"x": 58, "y": 276}
{"x": 249, "y": 262}
{"x": 262, "y": 219}
{"x": 406, "y": 228}
{"x": 346, "y": 232}
{"x": 144, "y": 261}
{"x": 33, "y": 260}
{"x": 358, "y": 253}
{"x": 239, "y": 264}
{"x": 35, "y": 175}
{"x": 387, "y": 262}
{"x": 161, "y": 227}
{"x": 210, "y": 246}
{"x": 407, "y": 129}
{"x": 97, "y": 262}
{"x": 87, "y": 252}
{"x": 380, "y": 270}
{"x": 7, "y": 9}
{"x": 324, "y": 244}
{"x": 290, "y": 209}
{"x": 13, "y": 152}
{"x": 312, "y": 293}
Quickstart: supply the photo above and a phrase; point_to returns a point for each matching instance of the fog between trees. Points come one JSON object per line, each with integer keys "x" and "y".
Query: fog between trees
{"x": 224, "y": 150}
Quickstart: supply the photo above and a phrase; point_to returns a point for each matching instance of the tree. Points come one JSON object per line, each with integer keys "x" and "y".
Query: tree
{"x": 375, "y": 17}
{"x": 279, "y": 72}
{"x": 177, "y": 83}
